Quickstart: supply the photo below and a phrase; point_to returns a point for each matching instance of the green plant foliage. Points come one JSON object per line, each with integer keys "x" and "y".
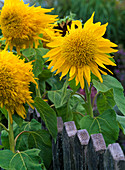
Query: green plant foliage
{"x": 105, "y": 123}
{"x": 39, "y": 61}
{"x": 67, "y": 105}
{"x": 5, "y": 139}
{"x": 41, "y": 139}
{"x": 4, "y": 111}
{"x": 105, "y": 101}
{"x": 48, "y": 116}
{"x": 73, "y": 86}
{"x": 55, "y": 83}
{"x": 60, "y": 98}
{"x": 34, "y": 137}
{"x": 121, "y": 121}
{"x": 28, "y": 159}
{"x": 28, "y": 52}
{"x": 78, "y": 111}
{"x": 110, "y": 82}
{"x": 18, "y": 119}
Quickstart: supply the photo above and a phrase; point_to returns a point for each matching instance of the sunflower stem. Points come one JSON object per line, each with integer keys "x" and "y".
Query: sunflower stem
{"x": 11, "y": 135}
{"x": 4, "y": 127}
{"x": 88, "y": 97}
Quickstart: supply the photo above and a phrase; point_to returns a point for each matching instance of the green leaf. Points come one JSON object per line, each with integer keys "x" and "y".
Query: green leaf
{"x": 121, "y": 121}
{"x": 105, "y": 101}
{"x": 110, "y": 82}
{"x": 28, "y": 159}
{"x": 41, "y": 51}
{"x": 18, "y": 119}
{"x": 65, "y": 112}
{"x": 28, "y": 52}
{"x": 38, "y": 64}
{"x": 73, "y": 86}
{"x": 22, "y": 142}
{"x": 105, "y": 123}
{"x": 4, "y": 111}
{"x": 55, "y": 82}
{"x": 45, "y": 74}
{"x": 48, "y": 115}
{"x": 41, "y": 140}
{"x": 31, "y": 126}
{"x": 60, "y": 97}
{"x": 76, "y": 104}
{"x": 5, "y": 139}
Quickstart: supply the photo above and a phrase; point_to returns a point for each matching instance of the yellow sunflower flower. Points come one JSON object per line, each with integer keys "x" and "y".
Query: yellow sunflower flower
{"x": 49, "y": 35}
{"x": 81, "y": 51}
{"x": 21, "y": 24}
{"x": 15, "y": 77}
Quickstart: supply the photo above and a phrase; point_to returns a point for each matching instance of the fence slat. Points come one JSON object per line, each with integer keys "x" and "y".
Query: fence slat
{"x": 80, "y": 147}
{"x": 69, "y": 132}
{"x": 95, "y": 152}
{"x": 114, "y": 158}
{"x": 57, "y": 150}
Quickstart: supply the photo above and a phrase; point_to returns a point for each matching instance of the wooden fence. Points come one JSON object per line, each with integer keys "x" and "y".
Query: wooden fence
{"x": 76, "y": 150}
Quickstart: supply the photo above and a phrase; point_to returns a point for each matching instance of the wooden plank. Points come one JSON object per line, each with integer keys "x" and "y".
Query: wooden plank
{"x": 57, "y": 151}
{"x": 114, "y": 158}
{"x": 80, "y": 147}
{"x": 95, "y": 152}
{"x": 69, "y": 132}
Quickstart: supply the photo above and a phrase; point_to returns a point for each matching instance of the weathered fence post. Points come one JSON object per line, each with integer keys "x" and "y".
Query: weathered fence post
{"x": 114, "y": 158}
{"x": 69, "y": 132}
{"x": 57, "y": 147}
{"x": 95, "y": 152}
{"x": 80, "y": 147}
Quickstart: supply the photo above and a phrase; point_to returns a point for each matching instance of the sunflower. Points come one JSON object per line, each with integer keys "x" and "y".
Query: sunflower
{"x": 21, "y": 25}
{"x": 81, "y": 51}
{"x": 15, "y": 77}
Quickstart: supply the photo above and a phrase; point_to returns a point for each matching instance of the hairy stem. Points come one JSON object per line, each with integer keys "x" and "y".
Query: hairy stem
{"x": 4, "y": 127}
{"x": 88, "y": 96}
{"x": 11, "y": 135}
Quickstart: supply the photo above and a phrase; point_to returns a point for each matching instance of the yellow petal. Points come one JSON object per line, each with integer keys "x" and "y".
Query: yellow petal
{"x": 103, "y": 72}
{"x": 100, "y": 31}
{"x": 87, "y": 75}
{"x": 80, "y": 76}
{"x": 65, "y": 71}
{"x": 78, "y": 23}
{"x": 77, "y": 80}
{"x": 95, "y": 71}
{"x": 106, "y": 43}
{"x": 52, "y": 52}
{"x": 89, "y": 22}
{"x": 106, "y": 50}
{"x": 58, "y": 64}
{"x": 72, "y": 71}
{"x": 56, "y": 43}
{"x": 103, "y": 59}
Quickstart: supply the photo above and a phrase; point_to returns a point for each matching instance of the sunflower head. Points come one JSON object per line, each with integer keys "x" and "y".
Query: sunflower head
{"x": 21, "y": 24}
{"x": 15, "y": 77}
{"x": 81, "y": 51}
